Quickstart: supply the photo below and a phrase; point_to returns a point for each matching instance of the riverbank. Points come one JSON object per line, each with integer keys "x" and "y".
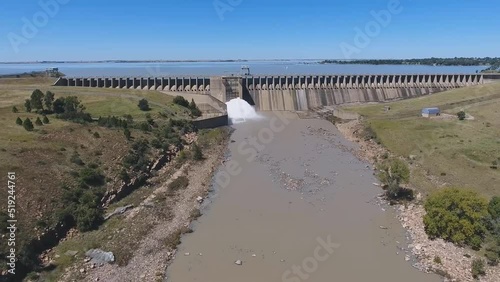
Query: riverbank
{"x": 438, "y": 256}
{"x": 155, "y": 218}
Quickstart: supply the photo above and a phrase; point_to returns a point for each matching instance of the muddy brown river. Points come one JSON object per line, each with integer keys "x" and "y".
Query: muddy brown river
{"x": 291, "y": 204}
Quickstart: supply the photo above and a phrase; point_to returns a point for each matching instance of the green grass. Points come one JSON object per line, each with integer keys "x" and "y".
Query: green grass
{"x": 453, "y": 152}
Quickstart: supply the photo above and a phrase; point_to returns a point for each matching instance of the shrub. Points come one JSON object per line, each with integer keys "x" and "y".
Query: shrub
{"x": 393, "y": 173}
{"x": 394, "y": 170}
{"x": 27, "y": 105}
{"x": 144, "y": 105}
{"x": 179, "y": 183}
{"x": 28, "y": 125}
{"x": 437, "y": 260}
{"x": 494, "y": 207}
{"x": 477, "y": 268}
{"x": 75, "y": 158}
{"x": 19, "y": 121}
{"x": 96, "y": 135}
{"x": 91, "y": 176}
{"x": 195, "y": 111}
{"x": 45, "y": 120}
{"x": 456, "y": 215}
{"x": 179, "y": 100}
{"x": 15, "y": 110}
{"x": 197, "y": 154}
{"x": 461, "y": 115}
{"x": 124, "y": 175}
{"x": 127, "y": 133}
{"x": 38, "y": 121}
{"x": 36, "y": 99}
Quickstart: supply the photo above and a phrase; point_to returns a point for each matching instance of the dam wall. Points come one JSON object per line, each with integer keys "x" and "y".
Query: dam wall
{"x": 295, "y": 92}
{"x": 301, "y": 93}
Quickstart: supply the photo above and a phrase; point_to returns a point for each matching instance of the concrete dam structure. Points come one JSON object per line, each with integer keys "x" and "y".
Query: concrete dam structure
{"x": 294, "y": 93}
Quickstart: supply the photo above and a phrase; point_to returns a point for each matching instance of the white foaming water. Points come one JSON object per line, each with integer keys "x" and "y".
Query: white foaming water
{"x": 239, "y": 110}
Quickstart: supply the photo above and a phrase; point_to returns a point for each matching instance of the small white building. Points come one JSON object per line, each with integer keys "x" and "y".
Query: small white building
{"x": 430, "y": 112}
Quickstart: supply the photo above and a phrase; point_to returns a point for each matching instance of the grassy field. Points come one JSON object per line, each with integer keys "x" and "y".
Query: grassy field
{"x": 445, "y": 151}
{"x": 41, "y": 158}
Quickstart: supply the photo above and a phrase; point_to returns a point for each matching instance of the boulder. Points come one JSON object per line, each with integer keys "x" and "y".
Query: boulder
{"x": 100, "y": 256}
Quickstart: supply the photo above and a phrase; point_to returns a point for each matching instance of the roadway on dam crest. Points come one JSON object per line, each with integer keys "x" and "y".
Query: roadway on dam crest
{"x": 294, "y": 204}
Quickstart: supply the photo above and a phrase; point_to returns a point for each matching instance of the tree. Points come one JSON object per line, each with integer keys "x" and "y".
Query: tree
{"x": 58, "y": 105}
{"x": 36, "y": 99}
{"x": 127, "y": 133}
{"x": 461, "y": 115}
{"x": 394, "y": 169}
{"x": 477, "y": 268}
{"x": 393, "y": 173}
{"x": 19, "y": 121}
{"x": 15, "y": 110}
{"x": 144, "y": 105}
{"x": 456, "y": 215}
{"x": 179, "y": 100}
{"x": 124, "y": 175}
{"x": 27, "y": 124}
{"x": 195, "y": 111}
{"x": 38, "y": 121}
{"x": 45, "y": 120}
{"x": 197, "y": 154}
{"x": 48, "y": 100}
{"x": 27, "y": 105}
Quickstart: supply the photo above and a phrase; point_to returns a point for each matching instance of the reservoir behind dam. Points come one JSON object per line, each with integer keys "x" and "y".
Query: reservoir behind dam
{"x": 294, "y": 204}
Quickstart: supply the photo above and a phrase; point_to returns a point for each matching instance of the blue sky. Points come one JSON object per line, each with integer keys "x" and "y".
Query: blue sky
{"x": 246, "y": 29}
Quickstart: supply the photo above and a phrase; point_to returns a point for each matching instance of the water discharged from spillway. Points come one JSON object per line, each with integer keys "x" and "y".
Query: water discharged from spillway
{"x": 293, "y": 204}
{"x": 239, "y": 110}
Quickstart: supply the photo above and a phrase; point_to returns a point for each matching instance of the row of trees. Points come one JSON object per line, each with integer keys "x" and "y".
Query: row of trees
{"x": 457, "y": 61}
{"x": 28, "y": 125}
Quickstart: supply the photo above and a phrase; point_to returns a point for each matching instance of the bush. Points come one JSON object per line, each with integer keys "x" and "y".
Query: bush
{"x": 75, "y": 158}
{"x": 179, "y": 100}
{"x": 195, "y": 111}
{"x": 393, "y": 173}
{"x": 477, "y": 268}
{"x": 27, "y": 105}
{"x": 96, "y": 135}
{"x": 179, "y": 183}
{"x": 124, "y": 175}
{"x": 15, "y": 110}
{"x": 45, "y": 120}
{"x": 394, "y": 170}
{"x": 127, "y": 133}
{"x": 28, "y": 125}
{"x": 456, "y": 215}
{"x": 461, "y": 115}
{"x": 91, "y": 176}
{"x": 197, "y": 154}
{"x": 19, "y": 121}
{"x": 144, "y": 105}
{"x": 38, "y": 121}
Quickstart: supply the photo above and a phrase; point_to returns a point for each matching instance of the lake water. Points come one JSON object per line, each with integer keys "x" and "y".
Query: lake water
{"x": 228, "y": 68}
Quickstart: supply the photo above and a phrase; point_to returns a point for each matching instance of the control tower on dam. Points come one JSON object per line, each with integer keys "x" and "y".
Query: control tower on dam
{"x": 297, "y": 92}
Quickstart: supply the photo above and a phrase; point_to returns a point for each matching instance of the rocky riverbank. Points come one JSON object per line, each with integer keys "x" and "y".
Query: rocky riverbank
{"x": 156, "y": 222}
{"x": 444, "y": 258}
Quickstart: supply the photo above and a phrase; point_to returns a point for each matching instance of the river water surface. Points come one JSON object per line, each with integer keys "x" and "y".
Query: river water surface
{"x": 304, "y": 209}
